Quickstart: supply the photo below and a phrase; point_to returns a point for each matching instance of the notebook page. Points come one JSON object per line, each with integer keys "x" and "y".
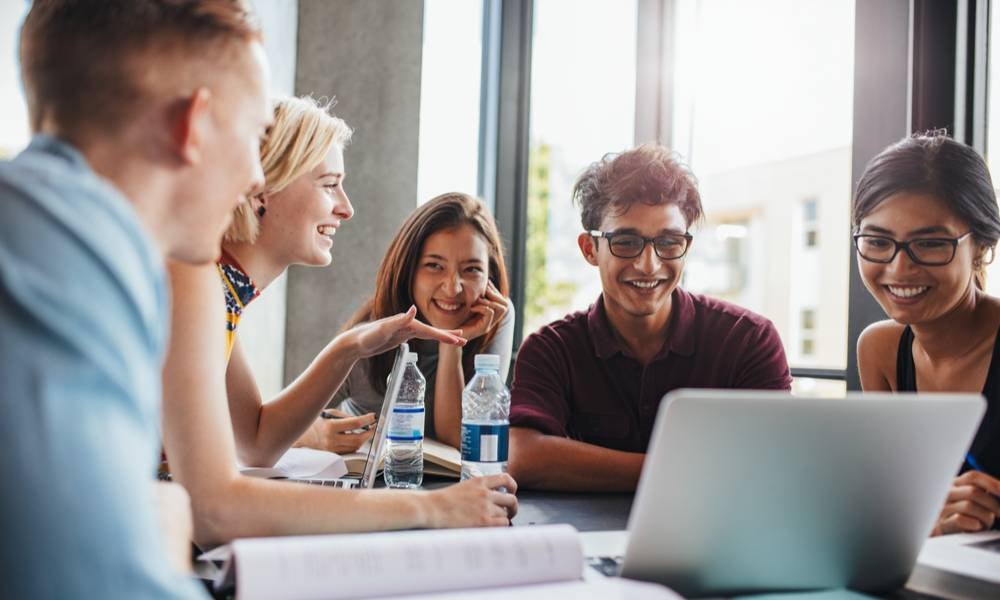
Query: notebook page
{"x": 408, "y": 562}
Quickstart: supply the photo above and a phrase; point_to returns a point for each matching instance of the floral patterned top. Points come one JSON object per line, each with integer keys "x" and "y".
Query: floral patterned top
{"x": 240, "y": 290}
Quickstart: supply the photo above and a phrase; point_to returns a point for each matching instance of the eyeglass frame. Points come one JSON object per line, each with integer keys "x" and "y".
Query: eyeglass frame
{"x": 905, "y": 246}
{"x": 610, "y": 235}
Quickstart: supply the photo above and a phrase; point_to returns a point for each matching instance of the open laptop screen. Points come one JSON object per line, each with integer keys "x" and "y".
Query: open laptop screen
{"x": 382, "y": 425}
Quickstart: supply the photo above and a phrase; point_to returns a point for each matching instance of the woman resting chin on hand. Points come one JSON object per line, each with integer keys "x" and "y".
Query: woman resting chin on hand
{"x": 447, "y": 260}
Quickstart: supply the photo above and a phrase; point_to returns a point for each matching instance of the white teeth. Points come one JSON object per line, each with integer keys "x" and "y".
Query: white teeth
{"x": 645, "y": 284}
{"x": 908, "y": 291}
{"x": 326, "y": 230}
{"x": 446, "y": 306}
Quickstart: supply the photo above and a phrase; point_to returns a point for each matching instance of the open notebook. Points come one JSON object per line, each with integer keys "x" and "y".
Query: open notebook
{"x": 439, "y": 459}
{"x": 534, "y": 562}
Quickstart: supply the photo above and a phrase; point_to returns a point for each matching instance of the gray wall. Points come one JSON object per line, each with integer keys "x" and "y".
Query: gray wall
{"x": 366, "y": 53}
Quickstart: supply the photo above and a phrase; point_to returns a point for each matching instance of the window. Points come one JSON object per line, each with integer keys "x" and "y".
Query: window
{"x": 13, "y": 113}
{"x": 810, "y": 226}
{"x": 763, "y": 112}
{"x": 449, "y": 98}
{"x": 807, "y": 332}
{"x": 582, "y": 107}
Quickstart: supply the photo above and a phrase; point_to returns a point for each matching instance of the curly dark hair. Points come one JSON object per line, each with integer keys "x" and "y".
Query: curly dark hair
{"x": 651, "y": 174}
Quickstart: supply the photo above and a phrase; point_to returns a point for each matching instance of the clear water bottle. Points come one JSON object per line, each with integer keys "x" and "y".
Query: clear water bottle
{"x": 404, "y": 454}
{"x": 485, "y": 420}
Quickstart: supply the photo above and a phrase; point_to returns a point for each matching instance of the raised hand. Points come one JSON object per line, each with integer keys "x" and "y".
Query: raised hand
{"x": 380, "y": 336}
{"x": 488, "y": 311}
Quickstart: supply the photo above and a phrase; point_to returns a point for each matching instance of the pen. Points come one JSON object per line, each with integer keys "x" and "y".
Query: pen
{"x": 971, "y": 461}
{"x": 329, "y": 415}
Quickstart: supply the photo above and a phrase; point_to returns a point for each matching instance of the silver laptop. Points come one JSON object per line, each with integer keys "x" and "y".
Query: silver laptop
{"x": 377, "y": 444}
{"x": 758, "y": 491}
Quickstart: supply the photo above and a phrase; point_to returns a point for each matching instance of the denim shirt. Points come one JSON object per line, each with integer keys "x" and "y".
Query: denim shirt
{"x": 83, "y": 329}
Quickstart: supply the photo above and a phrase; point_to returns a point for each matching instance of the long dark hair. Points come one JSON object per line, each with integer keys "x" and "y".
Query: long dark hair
{"x": 394, "y": 281}
{"x": 932, "y": 163}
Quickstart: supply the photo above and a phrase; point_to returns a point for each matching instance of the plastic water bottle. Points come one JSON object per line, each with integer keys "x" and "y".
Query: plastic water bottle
{"x": 404, "y": 455}
{"x": 485, "y": 420}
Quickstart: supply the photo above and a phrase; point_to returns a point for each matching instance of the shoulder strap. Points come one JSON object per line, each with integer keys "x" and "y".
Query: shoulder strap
{"x": 906, "y": 371}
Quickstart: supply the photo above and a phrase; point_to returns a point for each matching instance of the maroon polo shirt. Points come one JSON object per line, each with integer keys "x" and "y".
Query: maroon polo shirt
{"x": 574, "y": 378}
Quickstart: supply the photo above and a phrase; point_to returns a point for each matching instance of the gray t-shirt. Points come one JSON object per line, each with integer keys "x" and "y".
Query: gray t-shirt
{"x": 358, "y": 397}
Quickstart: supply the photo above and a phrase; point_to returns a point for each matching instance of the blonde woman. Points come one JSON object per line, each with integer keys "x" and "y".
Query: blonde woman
{"x": 213, "y": 410}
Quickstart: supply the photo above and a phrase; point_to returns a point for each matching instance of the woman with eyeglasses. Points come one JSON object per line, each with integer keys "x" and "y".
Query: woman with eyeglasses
{"x": 926, "y": 226}
{"x": 447, "y": 260}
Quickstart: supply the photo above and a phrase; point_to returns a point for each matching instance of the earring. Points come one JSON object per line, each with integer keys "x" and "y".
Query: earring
{"x": 261, "y": 210}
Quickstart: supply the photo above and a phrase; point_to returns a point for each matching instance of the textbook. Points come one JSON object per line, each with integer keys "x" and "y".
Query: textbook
{"x": 302, "y": 463}
{"x": 960, "y": 566}
{"x": 533, "y": 562}
{"x": 439, "y": 459}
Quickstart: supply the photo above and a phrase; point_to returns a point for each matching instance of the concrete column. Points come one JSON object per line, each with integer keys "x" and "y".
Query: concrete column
{"x": 367, "y": 54}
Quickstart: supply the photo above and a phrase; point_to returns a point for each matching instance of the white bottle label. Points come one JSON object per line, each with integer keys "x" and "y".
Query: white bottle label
{"x": 406, "y": 424}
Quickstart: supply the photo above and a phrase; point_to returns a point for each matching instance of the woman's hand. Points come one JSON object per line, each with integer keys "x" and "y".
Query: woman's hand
{"x": 376, "y": 337}
{"x": 488, "y": 312}
{"x": 340, "y": 435}
{"x": 972, "y": 504}
{"x": 476, "y": 502}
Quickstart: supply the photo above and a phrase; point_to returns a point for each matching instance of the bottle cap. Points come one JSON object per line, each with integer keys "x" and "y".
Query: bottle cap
{"x": 488, "y": 361}
{"x": 411, "y": 357}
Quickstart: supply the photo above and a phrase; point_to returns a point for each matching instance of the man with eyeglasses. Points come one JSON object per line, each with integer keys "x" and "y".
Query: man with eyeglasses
{"x": 587, "y": 388}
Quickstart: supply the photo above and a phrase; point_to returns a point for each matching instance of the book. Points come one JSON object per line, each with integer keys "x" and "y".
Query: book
{"x": 302, "y": 463}
{"x": 439, "y": 459}
{"x": 962, "y": 566}
{"x": 533, "y": 562}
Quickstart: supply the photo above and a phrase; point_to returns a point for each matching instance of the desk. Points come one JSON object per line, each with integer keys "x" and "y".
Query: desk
{"x": 586, "y": 512}
{"x": 591, "y": 512}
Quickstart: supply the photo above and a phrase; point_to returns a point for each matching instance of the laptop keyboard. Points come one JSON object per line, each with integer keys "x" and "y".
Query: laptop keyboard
{"x": 337, "y": 483}
{"x": 609, "y": 566}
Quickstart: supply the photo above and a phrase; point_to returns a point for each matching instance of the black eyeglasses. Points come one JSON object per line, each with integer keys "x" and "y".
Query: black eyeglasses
{"x": 669, "y": 246}
{"x": 929, "y": 252}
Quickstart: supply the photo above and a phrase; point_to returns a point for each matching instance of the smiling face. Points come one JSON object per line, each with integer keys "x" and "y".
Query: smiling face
{"x": 908, "y": 292}
{"x": 637, "y": 287}
{"x": 451, "y": 274}
{"x": 302, "y": 218}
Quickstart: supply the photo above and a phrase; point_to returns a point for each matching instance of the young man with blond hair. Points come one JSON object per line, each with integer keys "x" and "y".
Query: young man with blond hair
{"x": 587, "y": 388}
{"x": 147, "y": 116}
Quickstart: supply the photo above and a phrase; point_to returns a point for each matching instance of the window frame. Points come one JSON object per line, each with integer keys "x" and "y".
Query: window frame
{"x": 919, "y": 65}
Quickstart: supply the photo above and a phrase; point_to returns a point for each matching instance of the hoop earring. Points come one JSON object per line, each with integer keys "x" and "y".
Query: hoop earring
{"x": 261, "y": 210}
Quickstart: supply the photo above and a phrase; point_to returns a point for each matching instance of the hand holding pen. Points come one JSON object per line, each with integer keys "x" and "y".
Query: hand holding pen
{"x": 339, "y": 432}
{"x": 972, "y": 504}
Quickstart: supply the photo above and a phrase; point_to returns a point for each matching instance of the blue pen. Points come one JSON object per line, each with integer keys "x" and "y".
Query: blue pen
{"x": 971, "y": 460}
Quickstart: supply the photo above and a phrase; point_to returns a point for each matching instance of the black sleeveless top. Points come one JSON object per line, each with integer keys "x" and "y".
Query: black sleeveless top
{"x": 986, "y": 445}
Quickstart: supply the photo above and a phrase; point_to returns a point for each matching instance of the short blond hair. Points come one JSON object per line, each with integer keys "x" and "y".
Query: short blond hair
{"x": 303, "y": 133}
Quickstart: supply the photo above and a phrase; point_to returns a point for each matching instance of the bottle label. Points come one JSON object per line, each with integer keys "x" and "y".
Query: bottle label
{"x": 484, "y": 443}
{"x": 406, "y": 424}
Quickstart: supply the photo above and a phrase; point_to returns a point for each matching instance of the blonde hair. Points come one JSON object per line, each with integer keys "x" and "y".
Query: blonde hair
{"x": 300, "y": 138}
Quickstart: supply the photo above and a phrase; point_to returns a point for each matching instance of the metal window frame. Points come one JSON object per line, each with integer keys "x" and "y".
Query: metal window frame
{"x": 919, "y": 64}
{"x": 504, "y": 132}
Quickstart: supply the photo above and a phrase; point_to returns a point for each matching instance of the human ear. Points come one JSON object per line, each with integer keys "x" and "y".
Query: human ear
{"x": 588, "y": 247}
{"x": 190, "y": 125}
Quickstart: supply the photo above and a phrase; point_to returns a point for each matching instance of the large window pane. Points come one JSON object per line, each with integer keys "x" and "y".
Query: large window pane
{"x": 582, "y": 106}
{"x": 13, "y": 113}
{"x": 763, "y": 113}
{"x": 449, "y": 98}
